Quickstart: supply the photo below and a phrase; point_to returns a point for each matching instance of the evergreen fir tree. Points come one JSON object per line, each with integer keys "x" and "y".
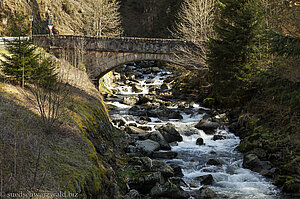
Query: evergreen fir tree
{"x": 231, "y": 53}
{"x": 21, "y": 60}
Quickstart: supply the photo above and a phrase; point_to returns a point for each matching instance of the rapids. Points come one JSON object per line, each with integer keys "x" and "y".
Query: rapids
{"x": 231, "y": 180}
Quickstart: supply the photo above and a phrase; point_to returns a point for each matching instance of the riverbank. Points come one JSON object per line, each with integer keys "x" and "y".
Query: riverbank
{"x": 268, "y": 125}
{"x": 79, "y": 157}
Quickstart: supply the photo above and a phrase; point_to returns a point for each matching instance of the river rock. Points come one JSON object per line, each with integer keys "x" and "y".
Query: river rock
{"x": 218, "y": 137}
{"x": 147, "y": 146}
{"x": 144, "y": 182}
{"x": 170, "y": 133}
{"x": 168, "y": 190}
{"x": 155, "y": 69}
{"x": 137, "y": 88}
{"x": 164, "y": 113}
{"x": 119, "y": 121}
{"x": 204, "y": 193}
{"x": 207, "y": 126}
{"x": 252, "y": 162}
{"x": 157, "y": 137}
{"x": 164, "y": 154}
{"x": 130, "y": 100}
{"x": 199, "y": 141}
{"x": 205, "y": 179}
{"x": 213, "y": 162}
{"x": 161, "y": 166}
{"x": 134, "y": 130}
{"x": 133, "y": 194}
{"x": 145, "y": 118}
{"x": 143, "y": 99}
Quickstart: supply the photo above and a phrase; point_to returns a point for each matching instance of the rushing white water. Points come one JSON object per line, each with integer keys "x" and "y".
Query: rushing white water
{"x": 230, "y": 179}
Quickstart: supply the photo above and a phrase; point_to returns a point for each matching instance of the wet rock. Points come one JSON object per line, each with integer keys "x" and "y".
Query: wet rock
{"x": 204, "y": 193}
{"x": 148, "y": 146}
{"x": 143, "y": 99}
{"x": 146, "y": 128}
{"x": 164, "y": 113}
{"x": 130, "y": 100}
{"x": 177, "y": 169}
{"x": 170, "y": 133}
{"x": 190, "y": 132}
{"x": 164, "y": 154}
{"x": 157, "y": 137}
{"x": 137, "y": 111}
{"x": 168, "y": 190}
{"x": 252, "y": 162}
{"x": 134, "y": 130}
{"x": 199, "y": 141}
{"x": 193, "y": 185}
{"x": 218, "y": 137}
{"x": 213, "y": 162}
{"x": 207, "y": 126}
{"x": 133, "y": 194}
{"x": 205, "y": 179}
{"x": 145, "y": 118}
{"x": 119, "y": 121}
{"x": 178, "y": 181}
{"x": 137, "y": 88}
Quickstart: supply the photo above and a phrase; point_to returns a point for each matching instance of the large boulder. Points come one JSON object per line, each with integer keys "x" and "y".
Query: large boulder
{"x": 147, "y": 146}
{"x": 168, "y": 190}
{"x": 205, "y": 179}
{"x": 177, "y": 169}
{"x": 157, "y": 137}
{"x": 170, "y": 134}
{"x": 252, "y": 162}
{"x": 207, "y": 126}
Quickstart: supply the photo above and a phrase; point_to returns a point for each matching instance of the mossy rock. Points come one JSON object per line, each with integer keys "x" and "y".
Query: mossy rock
{"x": 291, "y": 186}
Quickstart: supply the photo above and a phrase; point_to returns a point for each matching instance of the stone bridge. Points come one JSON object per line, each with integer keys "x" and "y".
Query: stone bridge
{"x": 99, "y": 55}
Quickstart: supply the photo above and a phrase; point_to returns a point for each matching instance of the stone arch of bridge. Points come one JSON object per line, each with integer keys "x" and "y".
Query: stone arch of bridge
{"x": 122, "y": 59}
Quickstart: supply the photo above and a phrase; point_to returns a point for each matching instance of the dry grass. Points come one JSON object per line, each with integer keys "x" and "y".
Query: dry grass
{"x": 33, "y": 160}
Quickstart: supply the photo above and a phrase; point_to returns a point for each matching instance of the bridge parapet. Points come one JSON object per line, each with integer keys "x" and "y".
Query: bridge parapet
{"x": 112, "y": 44}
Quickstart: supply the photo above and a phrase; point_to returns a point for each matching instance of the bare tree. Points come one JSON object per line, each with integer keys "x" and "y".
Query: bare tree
{"x": 195, "y": 20}
{"x": 195, "y": 24}
{"x": 49, "y": 101}
{"x": 106, "y": 21}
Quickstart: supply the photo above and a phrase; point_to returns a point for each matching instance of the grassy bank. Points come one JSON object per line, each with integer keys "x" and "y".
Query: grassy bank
{"x": 78, "y": 156}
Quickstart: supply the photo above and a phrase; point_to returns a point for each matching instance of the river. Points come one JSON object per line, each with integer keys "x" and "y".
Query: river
{"x": 218, "y": 158}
